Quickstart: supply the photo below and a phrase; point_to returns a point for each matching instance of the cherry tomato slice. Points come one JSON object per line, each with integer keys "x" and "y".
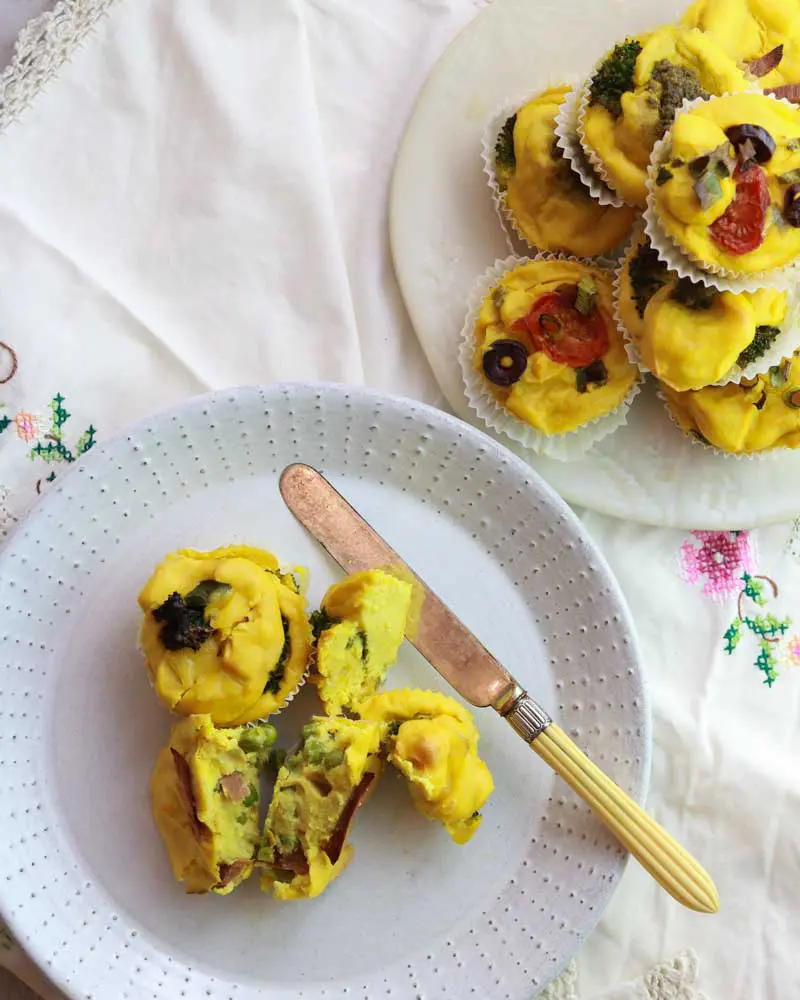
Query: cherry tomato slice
{"x": 565, "y": 335}
{"x": 740, "y": 229}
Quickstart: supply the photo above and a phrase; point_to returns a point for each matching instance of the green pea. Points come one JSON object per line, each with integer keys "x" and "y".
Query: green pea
{"x": 314, "y": 752}
{"x": 334, "y": 758}
{"x": 309, "y": 730}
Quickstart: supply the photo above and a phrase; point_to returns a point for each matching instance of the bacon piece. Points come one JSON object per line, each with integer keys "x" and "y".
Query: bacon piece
{"x": 234, "y": 786}
{"x": 789, "y": 92}
{"x": 295, "y": 862}
{"x": 227, "y": 873}
{"x": 764, "y": 64}
{"x": 336, "y": 842}
{"x": 187, "y": 794}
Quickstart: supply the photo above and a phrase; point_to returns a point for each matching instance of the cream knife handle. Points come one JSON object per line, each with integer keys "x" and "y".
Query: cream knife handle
{"x": 659, "y": 853}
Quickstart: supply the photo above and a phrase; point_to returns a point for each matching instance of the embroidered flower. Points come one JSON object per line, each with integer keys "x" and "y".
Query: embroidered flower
{"x": 789, "y": 652}
{"x": 717, "y": 559}
{"x": 28, "y": 425}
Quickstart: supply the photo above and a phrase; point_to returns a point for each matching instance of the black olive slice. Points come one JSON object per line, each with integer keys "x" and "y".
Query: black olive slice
{"x": 792, "y": 397}
{"x": 504, "y": 362}
{"x": 791, "y": 205}
{"x": 761, "y": 142}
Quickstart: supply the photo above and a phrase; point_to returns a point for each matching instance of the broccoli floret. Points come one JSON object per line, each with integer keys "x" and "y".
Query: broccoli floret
{"x": 183, "y": 626}
{"x": 320, "y": 621}
{"x": 275, "y": 678}
{"x": 505, "y": 160}
{"x": 694, "y": 295}
{"x": 647, "y": 275}
{"x": 759, "y": 345}
{"x": 675, "y": 83}
{"x": 615, "y": 76}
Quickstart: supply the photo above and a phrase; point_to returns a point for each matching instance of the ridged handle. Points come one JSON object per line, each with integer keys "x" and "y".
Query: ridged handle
{"x": 659, "y": 853}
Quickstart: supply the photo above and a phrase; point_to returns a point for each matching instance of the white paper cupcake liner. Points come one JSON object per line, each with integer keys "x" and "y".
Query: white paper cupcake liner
{"x": 594, "y": 160}
{"x": 680, "y": 259}
{"x": 784, "y": 345}
{"x": 510, "y": 226}
{"x": 747, "y": 456}
{"x": 566, "y": 131}
{"x": 563, "y": 447}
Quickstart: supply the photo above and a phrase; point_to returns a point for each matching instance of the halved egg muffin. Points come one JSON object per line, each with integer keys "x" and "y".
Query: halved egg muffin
{"x": 318, "y": 790}
{"x": 433, "y": 742}
{"x": 204, "y": 793}
{"x": 359, "y": 631}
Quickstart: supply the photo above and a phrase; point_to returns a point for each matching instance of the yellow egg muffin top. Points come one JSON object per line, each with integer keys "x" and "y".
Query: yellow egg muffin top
{"x": 749, "y": 29}
{"x": 634, "y": 94}
{"x": 553, "y": 320}
{"x": 726, "y": 184}
{"x": 552, "y": 208}
{"x": 753, "y": 416}
{"x": 224, "y": 633}
{"x": 687, "y": 335}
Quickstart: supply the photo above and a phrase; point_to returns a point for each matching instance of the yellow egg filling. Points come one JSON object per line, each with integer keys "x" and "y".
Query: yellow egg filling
{"x": 550, "y": 205}
{"x": 363, "y": 624}
{"x": 552, "y": 396}
{"x": 749, "y": 29}
{"x": 757, "y": 415}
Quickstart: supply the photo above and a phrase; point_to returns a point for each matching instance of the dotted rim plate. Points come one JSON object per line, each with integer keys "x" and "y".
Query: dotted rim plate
{"x": 524, "y": 927}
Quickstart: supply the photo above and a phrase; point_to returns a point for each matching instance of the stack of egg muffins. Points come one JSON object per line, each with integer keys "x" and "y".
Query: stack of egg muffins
{"x": 659, "y": 202}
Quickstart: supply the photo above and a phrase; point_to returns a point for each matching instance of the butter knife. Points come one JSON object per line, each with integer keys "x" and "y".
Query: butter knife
{"x": 479, "y": 678}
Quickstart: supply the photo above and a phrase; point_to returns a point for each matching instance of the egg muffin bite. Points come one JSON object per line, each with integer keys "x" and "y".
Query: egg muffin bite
{"x": 545, "y": 199}
{"x": 547, "y": 348}
{"x": 204, "y": 794}
{"x": 358, "y": 631}
{"x": 749, "y": 30}
{"x": 746, "y": 418}
{"x": 726, "y": 185}
{"x": 690, "y": 336}
{"x": 433, "y": 742}
{"x": 224, "y": 633}
{"x": 317, "y": 793}
{"x": 633, "y": 95}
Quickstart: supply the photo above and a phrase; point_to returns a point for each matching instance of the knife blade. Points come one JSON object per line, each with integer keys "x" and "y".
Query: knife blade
{"x": 481, "y": 679}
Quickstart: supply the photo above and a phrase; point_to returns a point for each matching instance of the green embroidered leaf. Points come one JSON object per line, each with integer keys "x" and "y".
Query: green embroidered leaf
{"x": 765, "y": 661}
{"x": 754, "y": 589}
{"x": 53, "y": 451}
{"x": 767, "y": 626}
{"x": 732, "y": 635}
{"x": 4, "y": 422}
{"x": 85, "y": 441}
{"x": 60, "y": 415}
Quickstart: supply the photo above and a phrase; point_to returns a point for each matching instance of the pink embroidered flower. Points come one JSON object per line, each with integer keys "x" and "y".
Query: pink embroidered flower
{"x": 717, "y": 559}
{"x": 789, "y": 652}
{"x": 29, "y": 425}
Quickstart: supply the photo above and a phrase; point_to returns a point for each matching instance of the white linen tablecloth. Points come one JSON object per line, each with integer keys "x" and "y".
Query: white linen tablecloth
{"x": 197, "y": 199}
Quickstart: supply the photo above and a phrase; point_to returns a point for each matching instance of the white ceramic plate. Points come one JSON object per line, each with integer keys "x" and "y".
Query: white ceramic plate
{"x": 84, "y": 880}
{"x": 445, "y": 233}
